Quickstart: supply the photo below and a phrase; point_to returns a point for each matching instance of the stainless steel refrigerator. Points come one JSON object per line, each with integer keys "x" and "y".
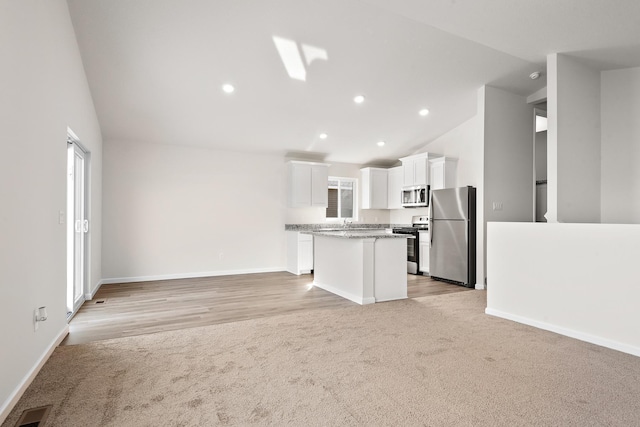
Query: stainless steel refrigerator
{"x": 452, "y": 254}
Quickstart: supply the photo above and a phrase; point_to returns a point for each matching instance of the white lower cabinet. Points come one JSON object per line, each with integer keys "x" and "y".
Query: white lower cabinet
{"x": 299, "y": 252}
{"x": 423, "y": 249}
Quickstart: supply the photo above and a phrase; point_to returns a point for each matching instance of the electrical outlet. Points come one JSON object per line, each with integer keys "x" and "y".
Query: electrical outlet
{"x": 221, "y": 256}
{"x": 40, "y": 315}
{"x": 497, "y": 206}
{"x": 60, "y": 217}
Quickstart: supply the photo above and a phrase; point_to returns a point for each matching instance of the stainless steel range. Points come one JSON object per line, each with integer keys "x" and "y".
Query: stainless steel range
{"x": 418, "y": 222}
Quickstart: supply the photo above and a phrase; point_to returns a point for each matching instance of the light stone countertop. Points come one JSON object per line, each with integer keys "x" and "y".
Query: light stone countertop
{"x": 339, "y": 226}
{"x": 360, "y": 234}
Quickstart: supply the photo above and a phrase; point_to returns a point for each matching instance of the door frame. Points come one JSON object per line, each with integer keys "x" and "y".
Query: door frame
{"x": 73, "y": 140}
{"x": 536, "y": 112}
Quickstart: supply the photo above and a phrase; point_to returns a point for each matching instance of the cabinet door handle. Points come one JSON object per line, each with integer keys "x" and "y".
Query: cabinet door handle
{"x": 85, "y": 226}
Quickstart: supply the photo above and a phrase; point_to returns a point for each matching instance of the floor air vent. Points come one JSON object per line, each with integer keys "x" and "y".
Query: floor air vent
{"x": 101, "y": 301}
{"x": 35, "y": 417}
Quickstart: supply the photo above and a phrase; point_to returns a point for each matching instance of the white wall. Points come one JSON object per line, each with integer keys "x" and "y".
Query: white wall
{"x": 43, "y": 90}
{"x": 552, "y": 139}
{"x": 578, "y": 280}
{"x": 173, "y": 211}
{"x": 573, "y": 140}
{"x": 620, "y": 164}
{"x": 538, "y": 273}
{"x": 508, "y": 156}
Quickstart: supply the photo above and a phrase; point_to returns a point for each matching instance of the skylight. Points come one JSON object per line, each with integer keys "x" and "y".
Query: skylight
{"x": 293, "y": 60}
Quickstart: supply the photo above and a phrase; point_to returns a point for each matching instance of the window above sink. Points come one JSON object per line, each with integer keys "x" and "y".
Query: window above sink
{"x": 342, "y": 196}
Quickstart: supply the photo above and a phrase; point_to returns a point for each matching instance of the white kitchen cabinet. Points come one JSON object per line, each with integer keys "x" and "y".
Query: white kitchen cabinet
{"x": 374, "y": 188}
{"x": 416, "y": 169}
{"x": 308, "y": 184}
{"x": 319, "y": 185}
{"x": 442, "y": 172}
{"x": 395, "y": 181}
{"x": 423, "y": 250}
{"x": 299, "y": 252}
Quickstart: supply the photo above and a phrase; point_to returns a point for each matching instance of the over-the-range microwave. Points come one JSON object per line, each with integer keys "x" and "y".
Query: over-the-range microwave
{"x": 415, "y": 196}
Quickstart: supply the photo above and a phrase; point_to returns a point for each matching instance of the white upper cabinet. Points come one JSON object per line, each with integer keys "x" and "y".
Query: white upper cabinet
{"x": 319, "y": 185}
{"x": 395, "y": 181}
{"x": 374, "y": 188}
{"x": 299, "y": 180}
{"x": 442, "y": 172}
{"x": 416, "y": 169}
{"x": 308, "y": 184}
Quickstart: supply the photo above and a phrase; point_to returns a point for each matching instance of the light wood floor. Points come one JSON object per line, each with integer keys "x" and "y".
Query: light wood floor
{"x": 147, "y": 307}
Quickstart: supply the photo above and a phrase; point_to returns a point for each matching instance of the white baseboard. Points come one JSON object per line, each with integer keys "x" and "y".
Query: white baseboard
{"x": 189, "y": 275}
{"x": 298, "y": 272}
{"x": 7, "y": 406}
{"x": 390, "y": 299}
{"x": 582, "y": 336}
{"x": 343, "y": 294}
{"x": 88, "y": 296}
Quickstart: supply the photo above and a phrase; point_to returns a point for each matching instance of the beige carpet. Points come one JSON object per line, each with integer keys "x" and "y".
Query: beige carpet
{"x": 431, "y": 361}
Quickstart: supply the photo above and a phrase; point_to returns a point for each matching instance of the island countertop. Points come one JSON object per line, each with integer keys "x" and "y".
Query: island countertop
{"x": 328, "y": 226}
{"x": 360, "y": 234}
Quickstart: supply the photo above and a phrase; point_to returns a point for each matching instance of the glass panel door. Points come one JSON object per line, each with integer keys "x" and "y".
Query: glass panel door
{"x": 77, "y": 227}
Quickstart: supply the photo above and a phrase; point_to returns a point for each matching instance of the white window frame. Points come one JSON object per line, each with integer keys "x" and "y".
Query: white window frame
{"x": 355, "y": 198}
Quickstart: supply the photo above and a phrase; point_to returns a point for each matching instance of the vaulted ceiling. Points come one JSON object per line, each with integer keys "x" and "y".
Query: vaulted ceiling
{"x": 156, "y": 68}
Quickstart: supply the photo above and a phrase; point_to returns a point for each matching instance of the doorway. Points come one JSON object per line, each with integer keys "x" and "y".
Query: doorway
{"x": 540, "y": 163}
{"x": 77, "y": 223}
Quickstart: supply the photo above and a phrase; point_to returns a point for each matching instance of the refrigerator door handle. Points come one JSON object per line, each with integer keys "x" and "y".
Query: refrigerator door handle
{"x": 430, "y": 237}
{"x": 466, "y": 231}
{"x": 430, "y": 224}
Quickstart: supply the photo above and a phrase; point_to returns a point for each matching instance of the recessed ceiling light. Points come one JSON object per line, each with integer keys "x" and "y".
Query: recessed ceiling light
{"x": 227, "y": 88}
{"x": 359, "y": 99}
{"x": 323, "y": 135}
{"x": 380, "y": 143}
{"x": 535, "y": 75}
{"x": 423, "y": 112}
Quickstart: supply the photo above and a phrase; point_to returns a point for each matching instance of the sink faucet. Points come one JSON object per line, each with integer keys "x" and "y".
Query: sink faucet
{"x": 347, "y": 222}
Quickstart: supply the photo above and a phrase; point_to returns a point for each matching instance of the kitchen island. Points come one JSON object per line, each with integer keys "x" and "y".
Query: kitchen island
{"x": 364, "y": 266}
